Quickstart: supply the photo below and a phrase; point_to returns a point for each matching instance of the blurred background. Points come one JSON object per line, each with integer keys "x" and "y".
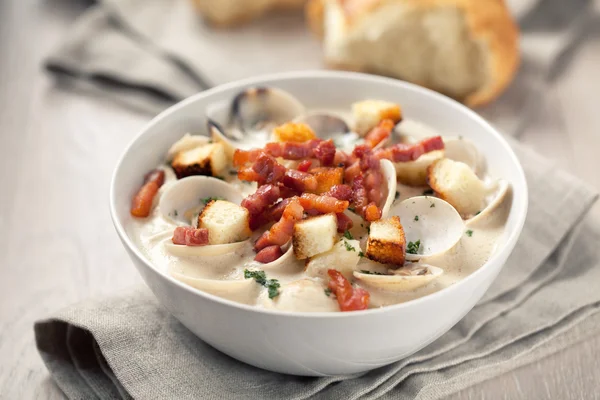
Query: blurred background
{"x": 78, "y": 79}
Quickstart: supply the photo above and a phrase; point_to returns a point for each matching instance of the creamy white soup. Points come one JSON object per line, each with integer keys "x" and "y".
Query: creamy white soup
{"x": 336, "y": 210}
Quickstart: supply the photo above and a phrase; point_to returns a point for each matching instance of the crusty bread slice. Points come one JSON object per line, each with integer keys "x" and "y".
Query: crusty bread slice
{"x": 227, "y": 13}
{"x": 368, "y": 113}
{"x": 327, "y": 177}
{"x": 386, "y": 243}
{"x": 226, "y": 222}
{"x": 314, "y": 235}
{"x": 456, "y": 183}
{"x": 466, "y": 49}
{"x": 343, "y": 256}
{"x": 209, "y": 159}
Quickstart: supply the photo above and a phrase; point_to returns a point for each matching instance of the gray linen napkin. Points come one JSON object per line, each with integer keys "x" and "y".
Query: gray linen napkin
{"x": 128, "y": 345}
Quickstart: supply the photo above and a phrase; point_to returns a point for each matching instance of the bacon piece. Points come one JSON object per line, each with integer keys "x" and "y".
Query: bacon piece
{"x": 304, "y": 166}
{"x": 340, "y": 192}
{"x": 264, "y": 196}
{"x": 325, "y": 152}
{"x": 349, "y": 298}
{"x": 156, "y": 175}
{"x": 186, "y": 235}
{"x": 359, "y": 194}
{"x": 142, "y": 202}
{"x": 341, "y": 159}
{"x": 327, "y": 177}
{"x": 299, "y": 181}
{"x": 403, "y": 152}
{"x": 281, "y": 232}
{"x": 323, "y": 204}
{"x": 372, "y": 212}
{"x": 292, "y": 151}
{"x": 381, "y": 132}
{"x": 352, "y": 172}
{"x": 343, "y": 222}
{"x": 276, "y": 211}
{"x": 242, "y": 157}
{"x": 268, "y": 254}
{"x": 264, "y": 170}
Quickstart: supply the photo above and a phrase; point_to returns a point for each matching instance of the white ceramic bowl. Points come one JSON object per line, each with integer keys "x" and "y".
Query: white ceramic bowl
{"x": 318, "y": 344}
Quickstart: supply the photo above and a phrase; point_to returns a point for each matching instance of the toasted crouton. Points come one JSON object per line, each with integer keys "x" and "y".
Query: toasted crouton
{"x": 386, "y": 243}
{"x": 414, "y": 173}
{"x": 456, "y": 183}
{"x": 314, "y": 235}
{"x": 293, "y": 132}
{"x": 226, "y": 222}
{"x": 327, "y": 177}
{"x": 368, "y": 113}
{"x": 343, "y": 256}
{"x": 209, "y": 159}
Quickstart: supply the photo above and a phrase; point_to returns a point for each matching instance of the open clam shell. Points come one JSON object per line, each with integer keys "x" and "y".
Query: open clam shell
{"x": 497, "y": 193}
{"x": 389, "y": 174}
{"x": 242, "y": 291}
{"x": 205, "y": 251}
{"x": 326, "y": 125}
{"x": 465, "y": 151}
{"x": 185, "y": 196}
{"x": 431, "y": 222}
{"x": 403, "y": 279}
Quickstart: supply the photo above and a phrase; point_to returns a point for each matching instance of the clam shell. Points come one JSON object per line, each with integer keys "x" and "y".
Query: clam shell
{"x": 204, "y": 251}
{"x": 286, "y": 263}
{"x": 187, "y": 142}
{"x": 465, "y": 151}
{"x": 325, "y": 125}
{"x": 432, "y": 221}
{"x": 186, "y": 193}
{"x": 498, "y": 192}
{"x": 402, "y": 279}
{"x": 242, "y": 291}
{"x": 389, "y": 174}
{"x": 414, "y": 173}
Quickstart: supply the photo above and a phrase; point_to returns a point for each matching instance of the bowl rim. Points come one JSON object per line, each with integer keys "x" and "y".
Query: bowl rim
{"x": 323, "y": 74}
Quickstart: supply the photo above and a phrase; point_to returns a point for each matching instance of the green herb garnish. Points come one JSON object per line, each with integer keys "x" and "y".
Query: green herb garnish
{"x": 352, "y": 209}
{"x": 432, "y": 205}
{"x": 348, "y": 235}
{"x": 416, "y": 217}
{"x": 207, "y": 200}
{"x": 327, "y": 292}
{"x": 361, "y": 254}
{"x": 428, "y": 192}
{"x": 469, "y": 233}
{"x": 397, "y": 196}
{"x": 478, "y": 212}
{"x": 232, "y": 172}
{"x": 413, "y": 247}
{"x": 364, "y": 271}
{"x": 368, "y": 230}
{"x": 349, "y": 247}
{"x": 260, "y": 277}
{"x": 175, "y": 213}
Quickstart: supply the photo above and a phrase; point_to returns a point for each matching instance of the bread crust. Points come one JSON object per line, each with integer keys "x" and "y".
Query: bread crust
{"x": 488, "y": 21}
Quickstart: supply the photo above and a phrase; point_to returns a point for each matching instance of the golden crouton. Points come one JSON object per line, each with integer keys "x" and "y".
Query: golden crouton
{"x": 368, "y": 113}
{"x": 209, "y": 159}
{"x": 293, "y": 132}
{"x": 226, "y": 222}
{"x": 314, "y": 235}
{"x": 456, "y": 183}
{"x": 414, "y": 173}
{"x": 386, "y": 243}
{"x": 327, "y": 177}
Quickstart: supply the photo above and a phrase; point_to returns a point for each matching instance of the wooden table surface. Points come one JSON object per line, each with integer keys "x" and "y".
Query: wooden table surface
{"x": 57, "y": 243}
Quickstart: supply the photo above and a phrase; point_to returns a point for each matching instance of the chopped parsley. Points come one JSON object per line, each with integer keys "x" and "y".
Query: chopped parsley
{"x": 397, "y": 196}
{"x": 352, "y": 209}
{"x": 348, "y": 235}
{"x": 175, "y": 213}
{"x": 219, "y": 177}
{"x": 207, "y": 200}
{"x": 368, "y": 230}
{"x": 469, "y": 233}
{"x": 361, "y": 254}
{"x": 413, "y": 247}
{"x": 478, "y": 212}
{"x": 416, "y": 217}
{"x": 432, "y": 205}
{"x": 232, "y": 172}
{"x": 364, "y": 271}
{"x": 260, "y": 277}
{"x": 428, "y": 192}
{"x": 327, "y": 292}
{"x": 349, "y": 247}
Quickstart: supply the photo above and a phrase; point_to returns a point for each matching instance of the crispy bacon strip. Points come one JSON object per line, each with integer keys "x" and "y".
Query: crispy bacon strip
{"x": 381, "y": 132}
{"x": 293, "y": 151}
{"x": 349, "y": 298}
{"x": 372, "y": 212}
{"x": 188, "y": 236}
{"x": 264, "y": 196}
{"x": 281, "y": 232}
{"x": 325, "y": 152}
{"x": 268, "y": 254}
{"x": 264, "y": 170}
{"x": 340, "y": 192}
{"x": 403, "y": 152}
{"x": 141, "y": 205}
{"x": 243, "y": 157}
{"x": 304, "y": 166}
{"x": 323, "y": 204}
{"x": 299, "y": 181}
